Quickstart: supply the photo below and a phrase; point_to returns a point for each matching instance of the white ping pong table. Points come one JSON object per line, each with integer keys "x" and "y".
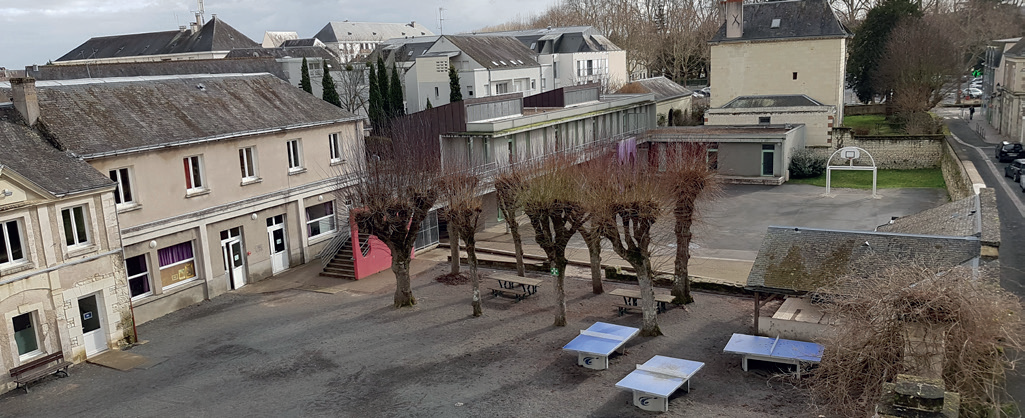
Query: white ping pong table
{"x": 775, "y": 350}
{"x": 595, "y": 344}
{"x": 656, "y": 379}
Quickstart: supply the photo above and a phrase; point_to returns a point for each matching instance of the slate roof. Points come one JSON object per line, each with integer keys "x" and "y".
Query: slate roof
{"x": 495, "y": 52}
{"x": 797, "y": 19}
{"x": 131, "y": 114}
{"x": 403, "y": 49}
{"x": 1018, "y": 50}
{"x": 284, "y": 52}
{"x": 973, "y": 216}
{"x": 788, "y": 100}
{"x": 663, "y": 88}
{"x": 302, "y": 42}
{"x": 247, "y": 64}
{"x": 273, "y": 39}
{"x": 370, "y": 31}
{"x": 29, "y": 155}
{"x": 214, "y": 35}
{"x": 799, "y": 260}
{"x": 568, "y": 39}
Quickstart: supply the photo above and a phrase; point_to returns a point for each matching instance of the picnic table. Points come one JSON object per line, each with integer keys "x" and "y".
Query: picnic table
{"x": 595, "y": 344}
{"x": 515, "y": 286}
{"x": 774, "y": 350}
{"x": 631, "y": 296}
{"x": 656, "y": 379}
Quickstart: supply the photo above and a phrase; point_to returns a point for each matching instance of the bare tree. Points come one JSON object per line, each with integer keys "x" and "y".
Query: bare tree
{"x": 394, "y": 192}
{"x": 462, "y": 193}
{"x": 688, "y": 175}
{"x": 510, "y": 183}
{"x": 551, "y": 201}
{"x": 919, "y": 61}
{"x": 955, "y": 325}
{"x": 352, "y": 85}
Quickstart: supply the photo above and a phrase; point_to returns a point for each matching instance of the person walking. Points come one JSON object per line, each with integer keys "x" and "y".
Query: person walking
{"x": 971, "y": 112}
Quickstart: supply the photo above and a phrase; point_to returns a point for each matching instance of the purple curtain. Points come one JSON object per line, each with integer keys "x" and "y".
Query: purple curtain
{"x": 627, "y": 150}
{"x": 175, "y": 253}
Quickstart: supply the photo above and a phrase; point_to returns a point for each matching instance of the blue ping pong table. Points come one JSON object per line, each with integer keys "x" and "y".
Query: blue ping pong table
{"x": 775, "y": 350}
{"x": 656, "y": 379}
{"x": 595, "y": 344}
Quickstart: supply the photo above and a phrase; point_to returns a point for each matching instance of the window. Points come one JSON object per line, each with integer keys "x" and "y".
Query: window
{"x": 332, "y": 143}
{"x": 193, "y": 174}
{"x": 533, "y": 84}
{"x": 764, "y": 120}
{"x": 543, "y": 83}
{"x": 295, "y": 162}
{"x": 177, "y": 264}
{"x": 247, "y": 162}
{"x": 320, "y": 219}
{"x": 501, "y": 88}
{"x": 712, "y": 157}
{"x": 11, "y": 237}
{"x": 25, "y": 335}
{"x": 123, "y": 193}
{"x": 795, "y": 75}
{"x": 75, "y": 230}
{"x": 437, "y": 92}
{"x": 138, "y": 276}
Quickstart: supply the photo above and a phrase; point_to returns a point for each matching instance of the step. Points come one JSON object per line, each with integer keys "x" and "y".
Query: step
{"x": 339, "y": 276}
{"x": 339, "y": 269}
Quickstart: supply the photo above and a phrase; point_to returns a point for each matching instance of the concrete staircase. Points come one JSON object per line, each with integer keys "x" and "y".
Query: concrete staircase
{"x": 342, "y": 265}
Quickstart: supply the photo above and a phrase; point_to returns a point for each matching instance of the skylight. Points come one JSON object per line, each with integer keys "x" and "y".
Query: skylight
{"x": 775, "y": 23}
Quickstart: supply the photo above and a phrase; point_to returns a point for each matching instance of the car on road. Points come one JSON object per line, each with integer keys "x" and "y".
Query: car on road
{"x": 972, "y": 92}
{"x": 1007, "y": 151}
{"x": 1013, "y": 170}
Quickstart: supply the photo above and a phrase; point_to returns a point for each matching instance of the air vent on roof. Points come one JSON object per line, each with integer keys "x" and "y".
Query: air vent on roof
{"x": 503, "y": 62}
{"x": 494, "y": 63}
{"x": 350, "y": 33}
{"x": 775, "y": 23}
{"x": 403, "y": 33}
{"x": 375, "y": 33}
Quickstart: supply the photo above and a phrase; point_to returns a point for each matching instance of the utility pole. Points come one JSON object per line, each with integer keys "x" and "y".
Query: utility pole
{"x": 441, "y": 21}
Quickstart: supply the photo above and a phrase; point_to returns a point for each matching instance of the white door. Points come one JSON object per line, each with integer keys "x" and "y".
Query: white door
{"x": 94, "y": 336}
{"x": 234, "y": 262}
{"x": 278, "y": 243}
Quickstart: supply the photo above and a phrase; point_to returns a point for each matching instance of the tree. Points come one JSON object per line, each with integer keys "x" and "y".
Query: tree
{"x": 354, "y": 89}
{"x": 330, "y": 93}
{"x": 919, "y": 61}
{"x": 304, "y": 82}
{"x": 429, "y": 105}
{"x": 551, "y": 201}
{"x": 510, "y": 183}
{"x": 462, "y": 192}
{"x": 395, "y": 93}
{"x": 376, "y": 101}
{"x": 869, "y": 44}
{"x": 455, "y": 93}
{"x": 394, "y": 192}
{"x": 387, "y": 108}
{"x": 688, "y": 176}
{"x": 955, "y": 325}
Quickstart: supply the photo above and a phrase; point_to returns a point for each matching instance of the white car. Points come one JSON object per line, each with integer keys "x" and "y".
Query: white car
{"x": 972, "y": 92}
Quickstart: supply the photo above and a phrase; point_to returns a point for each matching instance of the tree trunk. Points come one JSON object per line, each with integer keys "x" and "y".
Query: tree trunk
{"x": 453, "y": 243}
{"x": 471, "y": 258}
{"x": 649, "y": 312}
{"x": 514, "y": 229}
{"x": 681, "y": 276}
{"x": 560, "y": 292}
{"x": 403, "y": 286}
{"x": 593, "y": 240}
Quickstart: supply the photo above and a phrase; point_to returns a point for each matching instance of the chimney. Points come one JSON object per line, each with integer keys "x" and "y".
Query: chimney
{"x": 734, "y": 18}
{"x": 25, "y": 100}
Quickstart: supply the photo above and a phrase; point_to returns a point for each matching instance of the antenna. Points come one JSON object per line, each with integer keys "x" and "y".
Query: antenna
{"x": 441, "y": 20}
{"x": 201, "y": 13}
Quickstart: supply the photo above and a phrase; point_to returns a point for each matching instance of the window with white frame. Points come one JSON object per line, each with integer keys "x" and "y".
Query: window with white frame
{"x": 320, "y": 219}
{"x": 13, "y": 247}
{"x": 25, "y": 335}
{"x": 177, "y": 264}
{"x": 76, "y": 229}
{"x": 194, "y": 180}
{"x": 295, "y": 149}
{"x": 138, "y": 276}
{"x": 123, "y": 193}
{"x": 247, "y": 163}
{"x": 336, "y": 152}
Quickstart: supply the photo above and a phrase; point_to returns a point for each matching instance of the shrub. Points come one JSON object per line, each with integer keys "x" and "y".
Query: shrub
{"x": 806, "y": 164}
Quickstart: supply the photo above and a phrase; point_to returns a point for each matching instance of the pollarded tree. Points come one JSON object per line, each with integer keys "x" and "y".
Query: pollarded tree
{"x": 552, "y": 202}
{"x": 330, "y": 93}
{"x": 455, "y": 93}
{"x": 462, "y": 193}
{"x": 304, "y": 81}
{"x": 688, "y": 175}
{"x": 510, "y": 183}
{"x": 627, "y": 200}
{"x": 394, "y": 191}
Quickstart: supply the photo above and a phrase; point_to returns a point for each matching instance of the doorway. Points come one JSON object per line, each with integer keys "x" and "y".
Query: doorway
{"x": 278, "y": 243}
{"x": 768, "y": 159}
{"x": 93, "y": 336}
{"x": 234, "y": 257}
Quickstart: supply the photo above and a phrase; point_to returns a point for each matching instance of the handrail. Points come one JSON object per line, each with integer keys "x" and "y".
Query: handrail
{"x": 333, "y": 247}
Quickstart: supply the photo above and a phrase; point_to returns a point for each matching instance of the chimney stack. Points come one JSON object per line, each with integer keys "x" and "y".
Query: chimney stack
{"x": 25, "y": 99}
{"x": 734, "y": 19}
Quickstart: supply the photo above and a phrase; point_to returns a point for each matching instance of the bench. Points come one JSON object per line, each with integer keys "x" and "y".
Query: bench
{"x": 632, "y": 297}
{"x": 515, "y": 293}
{"x": 40, "y": 368}
{"x": 515, "y": 286}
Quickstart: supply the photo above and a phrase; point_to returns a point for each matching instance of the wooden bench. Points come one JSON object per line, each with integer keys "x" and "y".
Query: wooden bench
{"x": 515, "y": 293}
{"x": 632, "y": 297}
{"x": 515, "y": 286}
{"x": 40, "y": 368}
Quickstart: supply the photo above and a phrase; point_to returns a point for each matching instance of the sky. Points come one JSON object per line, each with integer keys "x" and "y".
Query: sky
{"x": 35, "y": 31}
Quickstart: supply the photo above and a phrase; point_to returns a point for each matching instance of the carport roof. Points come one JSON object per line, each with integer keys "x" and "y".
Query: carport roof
{"x": 794, "y": 260}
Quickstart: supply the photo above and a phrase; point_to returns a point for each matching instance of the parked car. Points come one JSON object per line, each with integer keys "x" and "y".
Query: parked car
{"x": 1013, "y": 170}
{"x": 1007, "y": 151}
{"x": 972, "y": 92}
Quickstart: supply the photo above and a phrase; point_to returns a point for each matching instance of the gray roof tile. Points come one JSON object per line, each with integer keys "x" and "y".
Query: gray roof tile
{"x": 789, "y": 100}
{"x": 797, "y": 19}
{"x": 492, "y": 51}
{"x": 215, "y": 35}
{"x": 663, "y": 88}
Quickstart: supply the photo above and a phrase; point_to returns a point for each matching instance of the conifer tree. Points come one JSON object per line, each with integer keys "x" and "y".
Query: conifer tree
{"x": 376, "y": 107}
{"x": 330, "y": 94}
{"x": 382, "y": 88}
{"x": 304, "y": 82}
{"x": 395, "y": 93}
{"x": 455, "y": 94}
{"x": 429, "y": 105}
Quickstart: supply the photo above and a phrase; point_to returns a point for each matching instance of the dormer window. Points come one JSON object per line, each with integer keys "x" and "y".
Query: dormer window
{"x": 775, "y": 23}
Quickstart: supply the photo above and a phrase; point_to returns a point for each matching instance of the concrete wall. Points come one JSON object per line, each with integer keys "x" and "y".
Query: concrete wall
{"x": 793, "y": 330}
{"x": 740, "y": 159}
{"x": 818, "y": 121}
{"x": 766, "y": 68}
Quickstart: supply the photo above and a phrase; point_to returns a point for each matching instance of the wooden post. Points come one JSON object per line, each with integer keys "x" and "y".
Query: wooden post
{"x": 758, "y": 309}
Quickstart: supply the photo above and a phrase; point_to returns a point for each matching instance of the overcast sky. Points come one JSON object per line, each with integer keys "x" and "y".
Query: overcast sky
{"x": 34, "y": 31}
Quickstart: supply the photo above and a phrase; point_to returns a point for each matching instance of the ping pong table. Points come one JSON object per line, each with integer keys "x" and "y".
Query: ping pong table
{"x": 656, "y": 379}
{"x": 775, "y": 350}
{"x": 595, "y": 344}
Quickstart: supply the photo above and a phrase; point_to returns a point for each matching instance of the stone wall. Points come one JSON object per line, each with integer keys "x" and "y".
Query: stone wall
{"x": 900, "y": 152}
{"x": 856, "y": 110}
{"x": 959, "y": 185}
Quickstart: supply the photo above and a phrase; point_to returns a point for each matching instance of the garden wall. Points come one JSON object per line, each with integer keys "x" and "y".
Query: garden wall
{"x": 900, "y": 152}
{"x": 857, "y": 110}
{"x": 959, "y": 184}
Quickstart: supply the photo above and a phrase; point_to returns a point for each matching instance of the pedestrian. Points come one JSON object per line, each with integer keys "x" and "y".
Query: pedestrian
{"x": 971, "y": 112}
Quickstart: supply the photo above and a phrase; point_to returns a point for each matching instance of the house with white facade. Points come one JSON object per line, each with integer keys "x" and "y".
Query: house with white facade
{"x": 220, "y": 180}
{"x": 354, "y": 41}
{"x": 63, "y": 285}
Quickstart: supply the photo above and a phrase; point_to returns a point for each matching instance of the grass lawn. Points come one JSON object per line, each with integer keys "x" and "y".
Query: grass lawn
{"x": 875, "y": 124}
{"x": 887, "y": 179}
